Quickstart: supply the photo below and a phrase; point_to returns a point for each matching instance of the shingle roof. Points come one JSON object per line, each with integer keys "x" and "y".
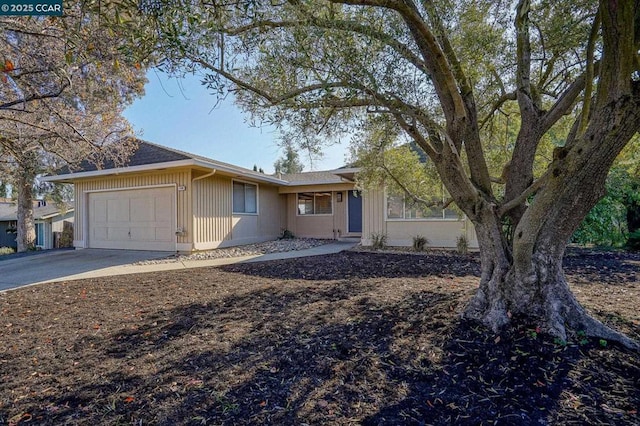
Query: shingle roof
{"x": 145, "y": 153}
{"x": 9, "y": 211}
{"x": 148, "y": 154}
{"x": 312, "y": 177}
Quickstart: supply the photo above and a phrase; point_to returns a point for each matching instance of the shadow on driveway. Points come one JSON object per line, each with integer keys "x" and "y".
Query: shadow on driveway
{"x": 57, "y": 265}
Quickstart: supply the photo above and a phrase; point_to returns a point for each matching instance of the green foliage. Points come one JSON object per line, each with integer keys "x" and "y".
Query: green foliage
{"x": 606, "y": 224}
{"x": 6, "y": 250}
{"x": 420, "y": 243}
{"x": 462, "y": 244}
{"x": 633, "y": 241}
{"x": 378, "y": 240}
{"x": 290, "y": 162}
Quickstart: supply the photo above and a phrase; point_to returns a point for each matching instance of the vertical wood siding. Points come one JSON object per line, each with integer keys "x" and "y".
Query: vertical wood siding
{"x": 178, "y": 177}
{"x": 212, "y": 209}
{"x": 373, "y": 214}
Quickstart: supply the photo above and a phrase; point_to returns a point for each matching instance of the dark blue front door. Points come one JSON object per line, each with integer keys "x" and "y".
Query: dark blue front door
{"x": 355, "y": 211}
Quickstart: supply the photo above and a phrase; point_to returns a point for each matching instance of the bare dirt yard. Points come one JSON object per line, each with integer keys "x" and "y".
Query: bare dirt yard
{"x": 352, "y": 338}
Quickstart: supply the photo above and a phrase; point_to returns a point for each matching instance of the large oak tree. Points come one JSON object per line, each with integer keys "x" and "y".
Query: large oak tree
{"x": 438, "y": 72}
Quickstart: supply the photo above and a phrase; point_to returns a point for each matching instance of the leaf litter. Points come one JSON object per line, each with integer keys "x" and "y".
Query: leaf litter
{"x": 351, "y": 338}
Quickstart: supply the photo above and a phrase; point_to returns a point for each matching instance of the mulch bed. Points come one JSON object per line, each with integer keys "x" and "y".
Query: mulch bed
{"x": 351, "y": 338}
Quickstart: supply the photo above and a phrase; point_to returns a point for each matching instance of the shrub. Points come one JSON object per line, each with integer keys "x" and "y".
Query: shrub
{"x": 66, "y": 236}
{"x": 420, "y": 243}
{"x": 462, "y": 244}
{"x": 287, "y": 235}
{"x": 378, "y": 240}
{"x": 6, "y": 250}
{"x": 633, "y": 241}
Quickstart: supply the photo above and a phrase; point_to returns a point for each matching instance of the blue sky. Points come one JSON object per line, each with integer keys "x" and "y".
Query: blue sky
{"x": 180, "y": 114}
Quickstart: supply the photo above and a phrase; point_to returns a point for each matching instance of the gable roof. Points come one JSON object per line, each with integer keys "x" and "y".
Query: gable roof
{"x": 150, "y": 156}
{"x": 9, "y": 211}
{"x": 145, "y": 153}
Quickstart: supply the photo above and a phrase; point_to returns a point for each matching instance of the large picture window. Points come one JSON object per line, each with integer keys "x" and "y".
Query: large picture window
{"x": 401, "y": 207}
{"x": 314, "y": 203}
{"x": 245, "y": 197}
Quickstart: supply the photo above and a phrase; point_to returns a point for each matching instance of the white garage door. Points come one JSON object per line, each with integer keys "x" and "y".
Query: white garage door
{"x": 138, "y": 219}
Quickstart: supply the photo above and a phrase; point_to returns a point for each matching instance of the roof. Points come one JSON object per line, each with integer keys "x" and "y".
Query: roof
{"x": 145, "y": 153}
{"x": 9, "y": 211}
{"x": 313, "y": 178}
{"x": 150, "y": 156}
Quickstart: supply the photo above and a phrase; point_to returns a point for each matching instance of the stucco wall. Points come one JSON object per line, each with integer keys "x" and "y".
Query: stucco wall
{"x": 325, "y": 226}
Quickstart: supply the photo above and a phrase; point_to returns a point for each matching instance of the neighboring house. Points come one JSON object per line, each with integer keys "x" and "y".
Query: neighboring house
{"x": 50, "y": 221}
{"x": 169, "y": 200}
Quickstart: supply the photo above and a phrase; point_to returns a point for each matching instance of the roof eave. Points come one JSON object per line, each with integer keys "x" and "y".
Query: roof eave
{"x": 243, "y": 173}
{"x": 51, "y": 215}
{"x": 240, "y": 172}
{"x": 69, "y": 177}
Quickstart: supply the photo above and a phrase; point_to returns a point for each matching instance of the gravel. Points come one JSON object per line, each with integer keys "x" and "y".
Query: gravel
{"x": 277, "y": 246}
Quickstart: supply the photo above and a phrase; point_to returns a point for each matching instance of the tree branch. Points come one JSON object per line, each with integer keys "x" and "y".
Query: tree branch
{"x": 496, "y": 106}
{"x": 520, "y": 199}
{"x": 35, "y": 97}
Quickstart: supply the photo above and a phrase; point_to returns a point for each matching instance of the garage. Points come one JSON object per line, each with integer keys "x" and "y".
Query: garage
{"x": 134, "y": 219}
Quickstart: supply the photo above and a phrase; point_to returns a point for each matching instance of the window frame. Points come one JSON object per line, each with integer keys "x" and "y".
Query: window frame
{"x": 233, "y": 194}
{"x": 39, "y": 228}
{"x": 404, "y": 217}
{"x": 331, "y": 196}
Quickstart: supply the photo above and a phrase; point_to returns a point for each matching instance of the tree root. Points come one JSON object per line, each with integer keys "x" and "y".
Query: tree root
{"x": 561, "y": 314}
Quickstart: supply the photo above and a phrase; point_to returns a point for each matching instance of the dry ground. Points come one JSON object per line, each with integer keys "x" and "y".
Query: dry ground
{"x": 352, "y": 338}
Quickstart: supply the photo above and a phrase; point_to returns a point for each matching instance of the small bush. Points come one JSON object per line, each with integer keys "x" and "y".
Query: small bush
{"x": 287, "y": 235}
{"x": 462, "y": 244}
{"x": 633, "y": 241}
{"x": 6, "y": 250}
{"x": 66, "y": 237}
{"x": 420, "y": 243}
{"x": 378, "y": 240}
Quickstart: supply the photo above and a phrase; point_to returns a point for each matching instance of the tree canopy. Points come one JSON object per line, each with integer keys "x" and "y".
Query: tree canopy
{"x": 64, "y": 84}
{"x": 562, "y": 76}
{"x": 289, "y": 162}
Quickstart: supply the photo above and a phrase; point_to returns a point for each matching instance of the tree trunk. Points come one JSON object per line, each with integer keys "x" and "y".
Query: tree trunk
{"x": 26, "y": 227}
{"x": 526, "y": 279}
{"x": 540, "y": 295}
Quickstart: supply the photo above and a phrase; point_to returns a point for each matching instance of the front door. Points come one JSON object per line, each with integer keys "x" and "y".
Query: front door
{"x": 355, "y": 211}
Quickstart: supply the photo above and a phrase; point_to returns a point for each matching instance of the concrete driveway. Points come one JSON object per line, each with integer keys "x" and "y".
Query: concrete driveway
{"x": 59, "y": 265}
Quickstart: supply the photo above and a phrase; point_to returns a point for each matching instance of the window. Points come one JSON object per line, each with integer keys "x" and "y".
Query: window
{"x": 400, "y": 207}
{"x": 245, "y": 197}
{"x": 40, "y": 234}
{"x": 314, "y": 203}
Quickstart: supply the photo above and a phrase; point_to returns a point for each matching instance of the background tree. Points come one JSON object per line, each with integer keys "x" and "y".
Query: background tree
{"x": 438, "y": 73}
{"x": 65, "y": 82}
{"x": 289, "y": 162}
{"x": 615, "y": 219}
